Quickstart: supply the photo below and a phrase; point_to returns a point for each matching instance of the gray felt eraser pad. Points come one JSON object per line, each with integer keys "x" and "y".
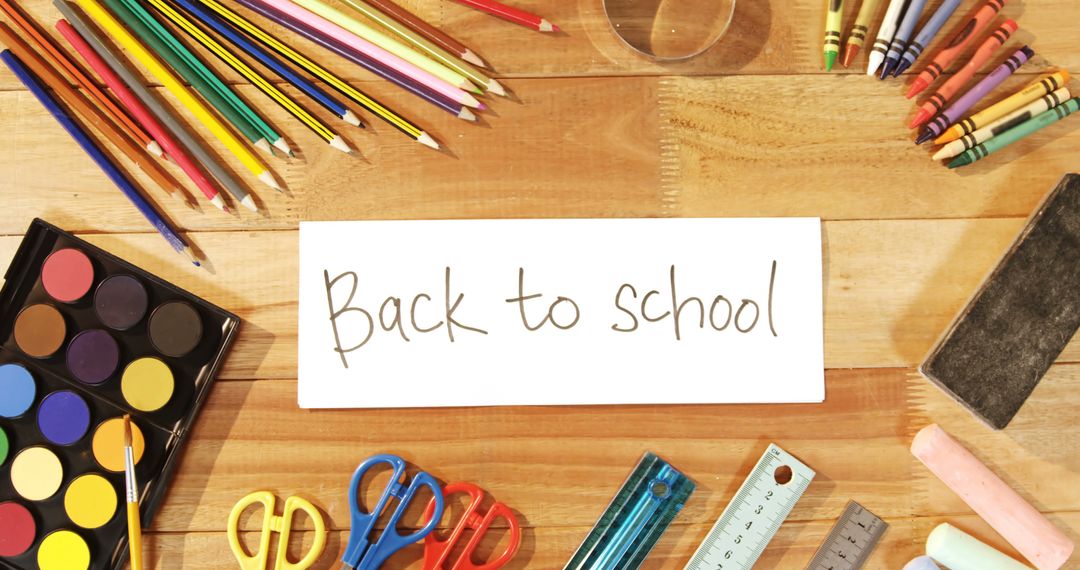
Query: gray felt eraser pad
{"x": 1017, "y": 324}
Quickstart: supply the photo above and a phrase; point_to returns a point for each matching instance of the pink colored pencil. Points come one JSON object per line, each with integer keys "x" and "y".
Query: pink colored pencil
{"x": 141, "y": 113}
{"x": 511, "y": 14}
{"x": 347, "y": 38}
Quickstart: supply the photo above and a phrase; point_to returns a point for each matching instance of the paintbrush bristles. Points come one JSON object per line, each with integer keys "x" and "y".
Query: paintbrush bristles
{"x": 127, "y": 430}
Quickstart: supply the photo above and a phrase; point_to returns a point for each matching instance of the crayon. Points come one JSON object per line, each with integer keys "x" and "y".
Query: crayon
{"x": 1021, "y": 131}
{"x": 857, "y": 36}
{"x": 950, "y": 88}
{"x": 834, "y": 19}
{"x": 995, "y": 128}
{"x": 902, "y": 37}
{"x": 956, "y": 46}
{"x": 926, "y": 35}
{"x": 981, "y": 89}
{"x": 959, "y": 550}
{"x": 893, "y": 14}
{"x": 1043, "y": 86}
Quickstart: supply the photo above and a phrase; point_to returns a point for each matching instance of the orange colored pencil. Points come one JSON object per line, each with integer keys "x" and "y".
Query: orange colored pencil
{"x": 90, "y": 113}
{"x": 80, "y": 77}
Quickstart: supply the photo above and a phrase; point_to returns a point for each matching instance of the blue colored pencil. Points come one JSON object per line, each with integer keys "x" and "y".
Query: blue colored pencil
{"x": 145, "y": 208}
{"x": 926, "y": 35}
{"x": 269, "y": 61}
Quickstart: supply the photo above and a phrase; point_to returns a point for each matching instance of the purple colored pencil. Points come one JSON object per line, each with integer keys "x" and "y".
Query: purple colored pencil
{"x": 376, "y": 67}
{"x": 962, "y": 105}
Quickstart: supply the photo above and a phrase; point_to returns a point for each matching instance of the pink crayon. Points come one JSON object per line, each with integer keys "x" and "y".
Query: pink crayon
{"x": 1027, "y": 530}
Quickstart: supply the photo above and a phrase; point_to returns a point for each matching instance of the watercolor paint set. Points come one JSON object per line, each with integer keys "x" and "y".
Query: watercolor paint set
{"x": 86, "y": 339}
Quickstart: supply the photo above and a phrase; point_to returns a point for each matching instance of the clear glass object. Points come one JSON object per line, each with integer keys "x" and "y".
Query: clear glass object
{"x": 670, "y": 30}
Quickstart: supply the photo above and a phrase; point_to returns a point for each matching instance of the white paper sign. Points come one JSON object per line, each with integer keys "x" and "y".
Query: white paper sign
{"x": 538, "y": 312}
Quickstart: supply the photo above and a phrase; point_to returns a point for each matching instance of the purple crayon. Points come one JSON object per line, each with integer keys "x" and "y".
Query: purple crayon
{"x": 962, "y": 105}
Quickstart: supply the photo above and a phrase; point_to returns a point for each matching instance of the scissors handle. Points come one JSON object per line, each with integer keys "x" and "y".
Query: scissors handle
{"x": 359, "y": 552}
{"x": 437, "y": 551}
{"x": 271, "y": 524}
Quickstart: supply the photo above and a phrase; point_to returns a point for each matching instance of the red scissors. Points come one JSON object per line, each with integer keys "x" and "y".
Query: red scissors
{"x": 436, "y": 552}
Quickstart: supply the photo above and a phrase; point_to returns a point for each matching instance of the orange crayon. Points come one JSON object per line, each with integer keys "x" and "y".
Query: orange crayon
{"x": 956, "y": 46}
{"x": 952, "y": 87}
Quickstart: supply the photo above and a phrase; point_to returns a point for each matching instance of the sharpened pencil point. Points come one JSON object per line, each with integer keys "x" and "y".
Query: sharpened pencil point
{"x": 270, "y": 181}
{"x": 471, "y": 87}
{"x": 466, "y": 114}
{"x": 264, "y": 146}
{"x": 219, "y": 203}
{"x": 351, "y": 118}
{"x": 187, "y": 251}
{"x": 472, "y": 58}
{"x": 249, "y": 203}
{"x": 546, "y": 26}
{"x": 496, "y": 88}
{"x": 470, "y": 101}
{"x": 156, "y": 150}
{"x": 425, "y": 139}
{"x": 283, "y": 146}
{"x": 339, "y": 143}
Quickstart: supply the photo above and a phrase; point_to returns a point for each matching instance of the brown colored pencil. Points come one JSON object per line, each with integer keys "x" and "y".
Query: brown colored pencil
{"x": 80, "y": 76}
{"x": 90, "y": 113}
{"x": 433, "y": 34}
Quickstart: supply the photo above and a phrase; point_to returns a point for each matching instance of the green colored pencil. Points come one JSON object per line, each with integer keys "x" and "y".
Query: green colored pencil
{"x": 221, "y": 98}
{"x": 1018, "y": 132}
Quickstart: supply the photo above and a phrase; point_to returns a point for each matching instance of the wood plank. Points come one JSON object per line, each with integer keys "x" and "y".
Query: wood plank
{"x": 765, "y": 38}
{"x": 550, "y": 547}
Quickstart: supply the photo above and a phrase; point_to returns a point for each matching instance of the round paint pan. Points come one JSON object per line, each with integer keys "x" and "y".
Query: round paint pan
{"x": 121, "y": 302}
{"x": 67, "y": 275}
{"x": 92, "y": 356}
{"x": 108, "y": 444}
{"x": 17, "y": 529}
{"x": 147, "y": 384}
{"x": 90, "y": 501}
{"x": 63, "y": 417}
{"x": 40, "y": 331}
{"x": 175, "y": 328}
{"x": 17, "y": 390}
{"x": 63, "y": 550}
{"x": 36, "y": 473}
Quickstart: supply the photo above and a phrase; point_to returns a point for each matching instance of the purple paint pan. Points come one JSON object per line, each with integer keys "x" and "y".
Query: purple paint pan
{"x": 121, "y": 302}
{"x": 92, "y": 356}
{"x": 63, "y": 417}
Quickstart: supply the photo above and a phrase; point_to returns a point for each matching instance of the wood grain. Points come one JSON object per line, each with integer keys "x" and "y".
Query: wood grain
{"x": 753, "y": 128}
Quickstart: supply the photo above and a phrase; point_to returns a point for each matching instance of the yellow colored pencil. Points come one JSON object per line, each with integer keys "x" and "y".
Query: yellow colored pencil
{"x": 106, "y": 20}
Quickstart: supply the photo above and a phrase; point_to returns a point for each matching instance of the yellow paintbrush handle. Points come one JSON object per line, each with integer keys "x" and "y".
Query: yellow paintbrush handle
{"x": 134, "y": 535}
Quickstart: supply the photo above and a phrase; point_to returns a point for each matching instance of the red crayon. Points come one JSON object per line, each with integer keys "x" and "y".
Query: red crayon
{"x": 956, "y": 46}
{"x": 952, "y": 87}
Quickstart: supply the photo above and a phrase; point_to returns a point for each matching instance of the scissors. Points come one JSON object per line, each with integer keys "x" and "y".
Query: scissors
{"x": 279, "y": 524}
{"x": 361, "y": 553}
{"x": 437, "y": 551}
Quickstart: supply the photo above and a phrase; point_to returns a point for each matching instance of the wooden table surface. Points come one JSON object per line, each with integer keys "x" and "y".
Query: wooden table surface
{"x": 752, "y": 128}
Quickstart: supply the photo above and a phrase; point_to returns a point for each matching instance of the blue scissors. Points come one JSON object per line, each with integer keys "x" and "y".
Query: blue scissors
{"x": 361, "y": 553}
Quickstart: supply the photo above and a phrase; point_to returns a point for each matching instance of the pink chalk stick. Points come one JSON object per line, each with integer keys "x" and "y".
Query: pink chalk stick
{"x": 1027, "y": 530}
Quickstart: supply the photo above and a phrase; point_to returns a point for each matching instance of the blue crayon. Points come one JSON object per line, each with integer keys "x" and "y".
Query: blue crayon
{"x": 926, "y": 35}
{"x": 903, "y": 35}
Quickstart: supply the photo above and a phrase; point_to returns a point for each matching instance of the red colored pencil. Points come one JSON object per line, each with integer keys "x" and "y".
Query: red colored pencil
{"x": 136, "y": 107}
{"x": 510, "y": 14}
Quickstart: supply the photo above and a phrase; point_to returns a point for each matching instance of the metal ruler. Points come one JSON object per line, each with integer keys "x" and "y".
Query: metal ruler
{"x": 850, "y": 541}
{"x": 753, "y": 516}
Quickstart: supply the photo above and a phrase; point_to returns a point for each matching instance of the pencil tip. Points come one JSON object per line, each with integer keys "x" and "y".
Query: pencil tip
{"x": 339, "y": 143}
{"x": 470, "y": 101}
{"x": 496, "y": 88}
{"x": 283, "y": 146}
{"x": 249, "y": 203}
{"x": 264, "y": 146}
{"x": 155, "y": 149}
{"x": 466, "y": 114}
{"x": 472, "y": 58}
{"x": 351, "y": 118}
{"x": 425, "y": 139}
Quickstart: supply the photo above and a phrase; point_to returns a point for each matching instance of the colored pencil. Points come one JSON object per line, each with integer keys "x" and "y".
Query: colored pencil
{"x": 208, "y": 76}
{"x": 370, "y": 50}
{"x": 834, "y": 20}
{"x": 391, "y": 45}
{"x": 1039, "y": 88}
{"x": 857, "y": 36}
{"x": 965, "y": 102}
{"x": 511, "y": 14}
{"x": 372, "y": 65}
{"x": 995, "y": 128}
{"x": 210, "y": 91}
{"x": 952, "y": 87}
{"x": 426, "y": 30}
{"x": 893, "y": 16}
{"x": 319, "y": 71}
{"x": 196, "y": 11}
{"x": 131, "y": 490}
{"x": 926, "y": 35}
{"x": 965, "y": 35}
{"x": 27, "y": 77}
{"x": 903, "y": 35}
{"x": 174, "y": 86}
{"x": 238, "y": 65}
{"x": 134, "y": 82}
{"x": 79, "y": 75}
{"x": 1017, "y": 133}
{"x": 426, "y": 47}
{"x": 91, "y": 113}
{"x": 144, "y": 116}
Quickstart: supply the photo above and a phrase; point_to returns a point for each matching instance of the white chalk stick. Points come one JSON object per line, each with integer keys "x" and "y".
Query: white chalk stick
{"x": 960, "y": 551}
{"x": 922, "y": 563}
{"x": 1027, "y": 530}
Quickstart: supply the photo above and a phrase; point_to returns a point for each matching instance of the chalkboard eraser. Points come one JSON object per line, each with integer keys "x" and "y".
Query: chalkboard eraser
{"x": 1002, "y": 343}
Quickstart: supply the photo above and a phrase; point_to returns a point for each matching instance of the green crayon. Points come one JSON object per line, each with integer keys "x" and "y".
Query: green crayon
{"x": 833, "y": 21}
{"x": 1005, "y": 139}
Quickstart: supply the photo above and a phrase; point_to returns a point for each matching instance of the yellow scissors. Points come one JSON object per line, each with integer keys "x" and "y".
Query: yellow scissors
{"x": 279, "y": 524}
